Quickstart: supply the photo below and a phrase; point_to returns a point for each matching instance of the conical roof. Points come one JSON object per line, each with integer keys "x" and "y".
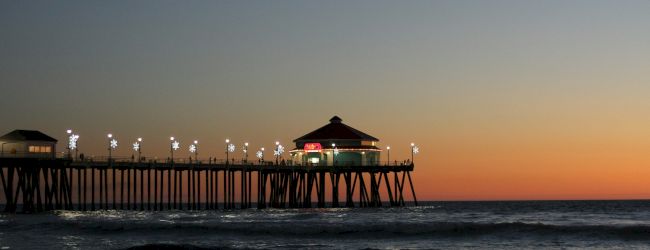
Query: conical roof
{"x": 336, "y": 130}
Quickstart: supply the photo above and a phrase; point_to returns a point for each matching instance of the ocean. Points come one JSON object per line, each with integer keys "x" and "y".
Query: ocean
{"x": 433, "y": 225}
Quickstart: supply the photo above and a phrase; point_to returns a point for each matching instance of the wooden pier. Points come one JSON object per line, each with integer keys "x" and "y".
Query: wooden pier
{"x": 33, "y": 185}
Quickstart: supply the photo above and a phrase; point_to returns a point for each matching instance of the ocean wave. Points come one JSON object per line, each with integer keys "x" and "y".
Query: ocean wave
{"x": 172, "y": 247}
{"x": 338, "y": 229}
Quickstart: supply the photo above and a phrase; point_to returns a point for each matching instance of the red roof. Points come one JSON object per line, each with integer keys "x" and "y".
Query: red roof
{"x": 338, "y": 131}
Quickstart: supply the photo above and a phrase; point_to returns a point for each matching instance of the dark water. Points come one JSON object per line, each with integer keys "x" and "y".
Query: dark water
{"x": 491, "y": 225}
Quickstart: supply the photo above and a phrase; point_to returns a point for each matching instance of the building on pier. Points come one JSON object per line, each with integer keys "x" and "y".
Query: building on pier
{"x": 27, "y": 144}
{"x": 336, "y": 144}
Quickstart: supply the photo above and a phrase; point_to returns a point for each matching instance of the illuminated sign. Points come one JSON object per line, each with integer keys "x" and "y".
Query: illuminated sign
{"x": 313, "y": 147}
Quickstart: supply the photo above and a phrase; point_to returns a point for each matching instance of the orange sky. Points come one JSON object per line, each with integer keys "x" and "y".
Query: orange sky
{"x": 506, "y": 99}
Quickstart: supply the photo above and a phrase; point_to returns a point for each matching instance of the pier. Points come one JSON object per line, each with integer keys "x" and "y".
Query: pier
{"x": 40, "y": 184}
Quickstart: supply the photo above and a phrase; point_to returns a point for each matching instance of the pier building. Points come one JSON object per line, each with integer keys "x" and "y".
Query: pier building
{"x": 27, "y": 144}
{"x": 336, "y": 144}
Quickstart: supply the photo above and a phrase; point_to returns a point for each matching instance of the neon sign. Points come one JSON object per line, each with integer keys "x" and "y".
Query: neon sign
{"x": 313, "y": 147}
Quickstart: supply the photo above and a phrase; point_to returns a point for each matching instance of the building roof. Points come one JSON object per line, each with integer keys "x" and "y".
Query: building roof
{"x": 338, "y": 131}
{"x": 27, "y": 135}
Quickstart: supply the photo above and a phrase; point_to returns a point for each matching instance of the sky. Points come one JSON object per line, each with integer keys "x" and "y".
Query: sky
{"x": 505, "y": 99}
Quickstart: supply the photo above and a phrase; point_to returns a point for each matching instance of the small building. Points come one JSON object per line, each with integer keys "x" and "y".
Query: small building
{"x": 27, "y": 144}
{"x": 336, "y": 144}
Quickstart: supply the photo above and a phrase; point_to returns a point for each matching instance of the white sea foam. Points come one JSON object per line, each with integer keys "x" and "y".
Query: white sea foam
{"x": 448, "y": 224}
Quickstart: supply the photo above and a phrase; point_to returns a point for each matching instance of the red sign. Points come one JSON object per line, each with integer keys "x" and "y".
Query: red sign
{"x": 312, "y": 147}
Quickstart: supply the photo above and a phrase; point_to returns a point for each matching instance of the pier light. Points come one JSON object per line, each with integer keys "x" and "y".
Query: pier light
{"x": 388, "y": 152}
{"x": 69, "y": 131}
{"x": 72, "y": 142}
{"x": 245, "y": 149}
{"x": 137, "y": 146}
{"x": 229, "y": 149}
{"x": 279, "y": 149}
{"x": 175, "y": 145}
{"x": 260, "y": 154}
{"x": 414, "y": 150}
{"x": 112, "y": 144}
{"x": 335, "y": 151}
{"x": 194, "y": 148}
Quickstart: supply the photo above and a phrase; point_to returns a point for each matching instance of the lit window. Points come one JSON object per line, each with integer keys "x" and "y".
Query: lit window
{"x": 40, "y": 149}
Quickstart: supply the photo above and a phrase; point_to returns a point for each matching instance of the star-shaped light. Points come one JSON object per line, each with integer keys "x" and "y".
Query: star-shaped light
{"x": 72, "y": 141}
{"x": 113, "y": 144}
{"x": 231, "y": 147}
{"x": 259, "y": 154}
{"x": 136, "y": 146}
{"x": 279, "y": 150}
{"x": 175, "y": 145}
{"x": 416, "y": 150}
{"x": 192, "y": 148}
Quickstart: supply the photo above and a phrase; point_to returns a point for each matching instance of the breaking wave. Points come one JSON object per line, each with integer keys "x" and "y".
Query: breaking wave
{"x": 307, "y": 226}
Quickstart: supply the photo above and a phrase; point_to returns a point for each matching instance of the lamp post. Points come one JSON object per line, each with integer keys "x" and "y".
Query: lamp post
{"x": 388, "y": 151}
{"x": 335, "y": 151}
{"x": 112, "y": 144}
{"x": 69, "y": 132}
{"x": 137, "y": 147}
{"x": 230, "y": 148}
{"x": 76, "y": 146}
{"x": 260, "y": 155}
{"x": 72, "y": 143}
{"x": 414, "y": 150}
{"x": 279, "y": 149}
{"x": 173, "y": 147}
{"x": 194, "y": 148}
{"x": 245, "y": 152}
{"x": 227, "y": 143}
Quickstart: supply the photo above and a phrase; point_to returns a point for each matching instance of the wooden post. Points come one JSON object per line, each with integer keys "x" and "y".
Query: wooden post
{"x": 92, "y": 186}
{"x": 121, "y": 189}
{"x": 85, "y": 187}
{"x": 128, "y": 188}
{"x": 198, "y": 190}
{"x": 175, "y": 187}
{"x": 412, "y": 189}
{"x": 114, "y": 207}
